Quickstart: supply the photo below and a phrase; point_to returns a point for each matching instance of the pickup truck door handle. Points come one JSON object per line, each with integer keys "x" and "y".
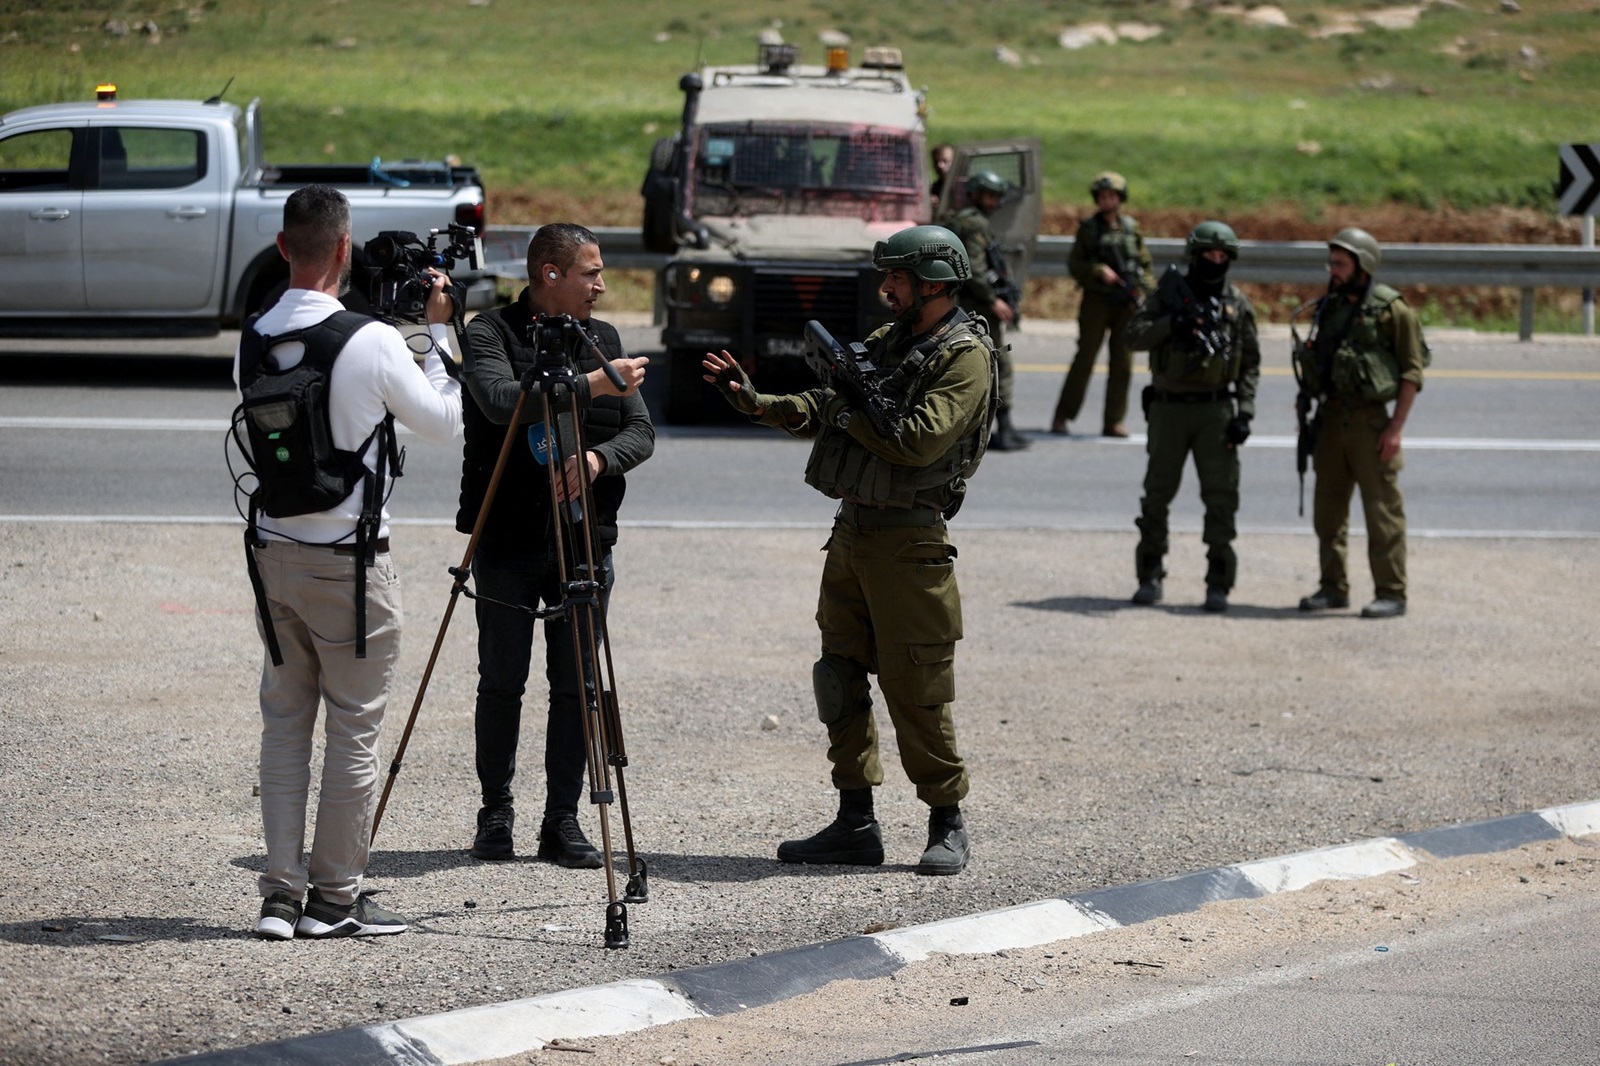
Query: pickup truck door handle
{"x": 50, "y": 214}
{"x": 186, "y": 212}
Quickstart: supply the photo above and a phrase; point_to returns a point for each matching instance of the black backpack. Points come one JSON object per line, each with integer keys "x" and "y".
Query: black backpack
{"x": 284, "y": 430}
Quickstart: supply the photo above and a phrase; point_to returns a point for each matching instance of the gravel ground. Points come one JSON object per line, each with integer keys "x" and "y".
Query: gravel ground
{"x": 1107, "y": 744}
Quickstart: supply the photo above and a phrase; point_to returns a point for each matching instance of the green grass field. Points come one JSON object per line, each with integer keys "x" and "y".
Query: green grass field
{"x": 1212, "y": 114}
{"x": 1467, "y": 108}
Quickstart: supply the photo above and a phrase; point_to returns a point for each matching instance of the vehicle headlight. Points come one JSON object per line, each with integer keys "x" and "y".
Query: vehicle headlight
{"x": 720, "y": 289}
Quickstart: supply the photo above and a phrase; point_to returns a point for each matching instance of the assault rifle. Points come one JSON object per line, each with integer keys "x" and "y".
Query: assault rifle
{"x": 999, "y": 277}
{"x": 1195, "y": 321}
{"x": 1307, "y": 411}
{"x": 1130, "y": 286}
{"x": 849, "y": 372}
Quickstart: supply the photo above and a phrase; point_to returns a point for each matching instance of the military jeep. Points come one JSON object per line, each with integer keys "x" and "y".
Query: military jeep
{"x": 770, "y": 199}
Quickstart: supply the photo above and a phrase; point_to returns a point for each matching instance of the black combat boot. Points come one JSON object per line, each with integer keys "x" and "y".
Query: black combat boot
{"x": 852, "y": 839}
{"x": 948, "y": 850}
{"x": 1150, "y": 575}
{"x": 1005, "y": 437}
{"x": 1219, "y": 579}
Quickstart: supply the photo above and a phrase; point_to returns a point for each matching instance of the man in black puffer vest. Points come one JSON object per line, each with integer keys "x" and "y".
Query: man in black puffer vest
{"x": 515, "y": 561}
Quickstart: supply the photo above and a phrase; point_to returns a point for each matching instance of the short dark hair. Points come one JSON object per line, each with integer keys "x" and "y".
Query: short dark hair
{"x": 315, "y": 219}
{"x": 557, "y": 243}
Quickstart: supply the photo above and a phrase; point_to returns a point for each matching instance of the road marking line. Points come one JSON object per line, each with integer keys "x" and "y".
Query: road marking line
{"x": 1283, "y": 371}
{"x": 213, "y": 425}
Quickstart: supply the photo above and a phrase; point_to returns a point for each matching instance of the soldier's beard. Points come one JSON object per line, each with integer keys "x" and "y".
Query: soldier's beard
{"x": 344, "y": 279}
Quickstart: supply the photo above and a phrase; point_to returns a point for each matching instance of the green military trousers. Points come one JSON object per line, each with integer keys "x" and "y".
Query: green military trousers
{"x": 1346, "y": 458}
{"x": 1177, "y": 430}
{"x": 1096, "y": 317}
{"x": 889, "y": 605}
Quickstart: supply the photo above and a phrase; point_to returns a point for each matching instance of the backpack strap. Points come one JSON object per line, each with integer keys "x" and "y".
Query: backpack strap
{"x": 253, "y": 351}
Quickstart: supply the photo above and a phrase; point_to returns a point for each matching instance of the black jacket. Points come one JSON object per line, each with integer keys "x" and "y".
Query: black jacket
{"x": 617, "y": 427}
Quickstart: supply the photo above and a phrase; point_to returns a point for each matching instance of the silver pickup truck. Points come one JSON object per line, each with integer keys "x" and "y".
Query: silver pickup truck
{"x": 159, "y": 217}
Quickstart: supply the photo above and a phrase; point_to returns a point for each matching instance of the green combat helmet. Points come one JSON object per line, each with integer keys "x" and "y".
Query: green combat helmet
{"x": 932, "y": 253}
{"x": 1362, "y": 245}
{"x": 1212, "y": 236}
{"x": 986, "y": 181}
{"x": 1109, "y": 179}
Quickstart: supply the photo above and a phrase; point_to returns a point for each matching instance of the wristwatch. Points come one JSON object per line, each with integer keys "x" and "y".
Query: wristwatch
{"x": 842, "y": 419}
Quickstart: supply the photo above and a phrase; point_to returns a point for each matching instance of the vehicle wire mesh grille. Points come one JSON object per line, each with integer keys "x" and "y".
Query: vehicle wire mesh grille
{"x": 784, "y": 302}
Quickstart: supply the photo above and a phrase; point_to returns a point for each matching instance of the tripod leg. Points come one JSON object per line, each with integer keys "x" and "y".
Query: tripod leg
{"x": 582, "y": 598}
{"x": 449, "y": 610}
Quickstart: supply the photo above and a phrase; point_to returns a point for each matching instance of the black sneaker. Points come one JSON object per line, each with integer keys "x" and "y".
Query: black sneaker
{"x": 279, "y": 913}
{"x": 323, "y": 920}
{"x": 1216, "y": 600}
{"x": 493, "y": 840}
{"x": 1324, "y": 601}
{"x": 1384, "y": 608}
{"x": 846, "y": 843}
{"x": 561, "y": 841}
{"x": 1149, "y": 592}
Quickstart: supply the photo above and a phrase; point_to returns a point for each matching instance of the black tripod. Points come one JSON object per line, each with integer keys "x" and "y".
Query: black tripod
{"x": 557, "y": 339}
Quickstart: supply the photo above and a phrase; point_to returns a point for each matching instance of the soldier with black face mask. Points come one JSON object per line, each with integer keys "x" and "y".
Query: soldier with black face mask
{"x": 1204, "y": 362}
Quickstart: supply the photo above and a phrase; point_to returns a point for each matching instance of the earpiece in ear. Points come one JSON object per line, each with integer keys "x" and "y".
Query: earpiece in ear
{"x": 551, "y": 274}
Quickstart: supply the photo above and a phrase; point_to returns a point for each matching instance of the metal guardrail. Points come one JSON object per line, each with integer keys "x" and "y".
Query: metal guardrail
{"x": 1522, "y": 266}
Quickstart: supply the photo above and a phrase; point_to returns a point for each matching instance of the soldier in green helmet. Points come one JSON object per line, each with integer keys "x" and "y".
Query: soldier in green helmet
{"x": 985, "y": 293}
{"x": 1365, "y": 351}
{"x": 1110, "y": 262}
{"x": 1204, "y": 363}
{"x": 889, "y": 604}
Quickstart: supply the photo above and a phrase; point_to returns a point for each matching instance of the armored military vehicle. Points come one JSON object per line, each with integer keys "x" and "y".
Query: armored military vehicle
{"x": 770, "y": 198}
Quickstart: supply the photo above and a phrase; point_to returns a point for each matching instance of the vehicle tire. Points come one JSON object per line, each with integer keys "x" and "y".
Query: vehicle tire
{"x": 660, "y": 191}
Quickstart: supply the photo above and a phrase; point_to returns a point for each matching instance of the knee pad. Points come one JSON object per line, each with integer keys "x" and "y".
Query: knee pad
{"x": 831, "y": 681}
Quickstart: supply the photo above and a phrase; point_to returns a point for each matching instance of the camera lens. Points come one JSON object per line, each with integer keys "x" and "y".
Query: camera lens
{"x": 382, "y": 251}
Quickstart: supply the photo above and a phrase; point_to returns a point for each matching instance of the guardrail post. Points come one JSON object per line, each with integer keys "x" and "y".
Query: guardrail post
{"x": 1525, "y": 326}
{"x": 1588, "y": 290}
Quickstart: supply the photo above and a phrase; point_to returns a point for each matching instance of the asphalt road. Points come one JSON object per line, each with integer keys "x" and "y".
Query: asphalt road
{"x": 1108, "y": 744}
{"x": 1505, "y": 438}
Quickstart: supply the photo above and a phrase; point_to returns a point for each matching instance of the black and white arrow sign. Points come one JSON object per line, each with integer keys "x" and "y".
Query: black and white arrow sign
{"x": 1579, "y": 187}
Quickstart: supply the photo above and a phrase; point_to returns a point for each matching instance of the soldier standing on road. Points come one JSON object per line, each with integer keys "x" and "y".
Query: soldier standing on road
{"x": 1365, "y": 349}
{"x": 981, "y": 294}
{"x": 1204, "y": 360}
{"x": 1113, "y": 267}
{"x": 889, "y": 603}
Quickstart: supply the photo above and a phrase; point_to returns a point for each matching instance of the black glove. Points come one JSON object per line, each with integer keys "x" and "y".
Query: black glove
{"x": 1238, "y": 430}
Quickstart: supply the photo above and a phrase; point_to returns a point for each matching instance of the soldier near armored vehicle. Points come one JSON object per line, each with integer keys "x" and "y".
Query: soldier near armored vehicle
{"x": 990, "y": 293}
{"x": 1365, "y": 351}
{"x": 889, "y": 604}
{"x": 1113, "y": 267}
{"x": 1204, "y": 363}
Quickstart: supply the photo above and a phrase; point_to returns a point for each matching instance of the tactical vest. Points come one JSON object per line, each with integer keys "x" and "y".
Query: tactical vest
{"x": 1173, "y": 365}
{"x": 1109, "y": 243}
{"x": 1357, "y": 365}
{"x": 520, "y": 512}
{"x": 841, "y": 468}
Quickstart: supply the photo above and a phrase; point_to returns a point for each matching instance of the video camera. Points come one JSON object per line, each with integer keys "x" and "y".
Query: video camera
{"x": 401, "y": 260}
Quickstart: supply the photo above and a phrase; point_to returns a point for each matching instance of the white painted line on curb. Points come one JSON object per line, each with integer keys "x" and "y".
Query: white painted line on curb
{"x": 1024, "y": 926}
{"x": 499, "y": 1030}
{"x": 1346, "y": 862}
{"x": 1576, "y": 820}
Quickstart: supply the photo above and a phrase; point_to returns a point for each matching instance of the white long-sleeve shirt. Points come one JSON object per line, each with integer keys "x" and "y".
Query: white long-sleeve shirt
{"x": 375, "y": 374}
